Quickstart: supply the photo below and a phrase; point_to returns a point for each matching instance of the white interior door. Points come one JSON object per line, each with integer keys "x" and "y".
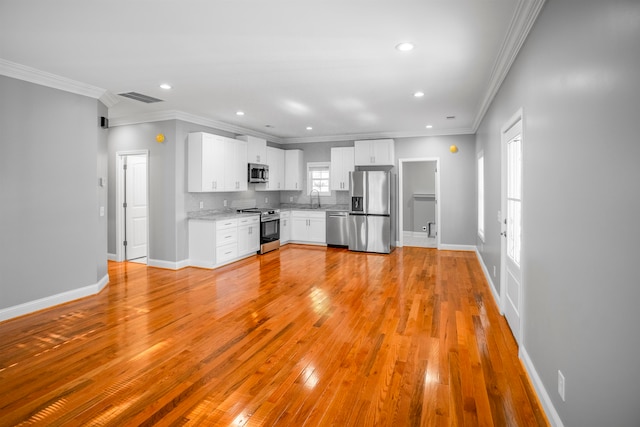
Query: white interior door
{"x": 136, "y": 206}
{"x": 511, "y": 288}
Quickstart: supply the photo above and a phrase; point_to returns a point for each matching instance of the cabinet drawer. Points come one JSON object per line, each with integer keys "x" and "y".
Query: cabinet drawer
{"x": 308, "y": 214}
{"x": 226, "y": 223}
{"x": 226, "y": 252}
{"x": 248, "y": 220}
{"x": 226, "y": 236}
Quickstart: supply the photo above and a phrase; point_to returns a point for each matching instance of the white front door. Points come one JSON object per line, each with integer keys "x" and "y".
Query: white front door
{"x": 511, "y": 288}
{"x": 136, "y": 206}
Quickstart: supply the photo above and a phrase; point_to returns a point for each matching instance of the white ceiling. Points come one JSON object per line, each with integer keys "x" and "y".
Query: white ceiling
{"x": 288, "y": 64}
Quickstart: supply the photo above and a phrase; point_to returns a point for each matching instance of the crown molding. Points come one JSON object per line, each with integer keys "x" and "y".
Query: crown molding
{"x": 43, "y": 78}
{"x": 523, "y": 18}
{"x": 159, "y": 116}
{"x": 378, "y": 135}
{"x": 109, "y": 99}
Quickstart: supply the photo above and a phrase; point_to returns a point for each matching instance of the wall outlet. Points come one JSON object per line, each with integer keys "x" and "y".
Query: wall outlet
{"x": 201, "y": 205}
{"x": 561, "y": 385}
{"x": 225, "y": 202}
{"x": 291, "y": 198}
{"x": 266, "y": 200}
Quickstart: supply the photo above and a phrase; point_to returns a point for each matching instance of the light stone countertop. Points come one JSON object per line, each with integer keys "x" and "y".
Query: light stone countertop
{"x": 216, "y": 215}
{"x": 306, "y": 207}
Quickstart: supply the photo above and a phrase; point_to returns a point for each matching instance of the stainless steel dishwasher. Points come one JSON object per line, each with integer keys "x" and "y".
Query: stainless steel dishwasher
{"x": 337, "y": 228}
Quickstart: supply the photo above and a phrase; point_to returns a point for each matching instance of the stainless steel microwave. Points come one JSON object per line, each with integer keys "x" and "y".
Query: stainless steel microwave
{"x": 258, "y": 172}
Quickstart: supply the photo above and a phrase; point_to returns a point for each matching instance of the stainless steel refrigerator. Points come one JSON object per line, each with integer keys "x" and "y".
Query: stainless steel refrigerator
{"x": 370, "y": 215}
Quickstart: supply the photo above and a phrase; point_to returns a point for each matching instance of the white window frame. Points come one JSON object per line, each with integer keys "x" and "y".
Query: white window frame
{"x": 481, "y": 194}
{"x": 311, "y": 166}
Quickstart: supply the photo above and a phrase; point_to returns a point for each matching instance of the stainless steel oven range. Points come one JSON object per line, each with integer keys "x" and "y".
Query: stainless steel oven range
{"x": 269, "y": 228}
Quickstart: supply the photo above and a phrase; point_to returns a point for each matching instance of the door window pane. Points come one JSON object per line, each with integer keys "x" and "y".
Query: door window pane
{"x": 514, "y": 199}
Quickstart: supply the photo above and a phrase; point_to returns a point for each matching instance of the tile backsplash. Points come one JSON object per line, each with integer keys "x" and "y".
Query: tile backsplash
{"x": 252, "y": 198}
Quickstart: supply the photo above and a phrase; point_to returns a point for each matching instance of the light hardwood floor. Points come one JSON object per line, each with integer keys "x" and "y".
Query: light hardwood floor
{"x": 301, "y": 336}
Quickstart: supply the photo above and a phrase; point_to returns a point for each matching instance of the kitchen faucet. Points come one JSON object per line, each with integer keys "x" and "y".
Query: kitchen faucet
{"x": 311, "y": 198}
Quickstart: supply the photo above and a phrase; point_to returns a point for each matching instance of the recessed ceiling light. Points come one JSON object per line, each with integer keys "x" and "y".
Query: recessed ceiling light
{"x": 405, "y": 46}
{"x": 165, "y": 86}
{"x": 239, "y": 113}
{"x": 418, "y": 94}
{"x": 309, "y": 128}
{"x": 429, "y": 126}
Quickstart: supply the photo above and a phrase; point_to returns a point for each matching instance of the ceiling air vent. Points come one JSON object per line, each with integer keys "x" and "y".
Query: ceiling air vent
{"x": 141, "y": 97}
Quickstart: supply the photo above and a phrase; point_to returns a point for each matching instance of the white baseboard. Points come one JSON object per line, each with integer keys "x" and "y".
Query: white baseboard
{"x": 446, "y": 247}
{"x": 492, "y": 286}
{"x": 169, "y": 265}
{"x": 112, "y": 257}
{"x": 200, "y": 263}
{"x": 53, "y": 300}
{"x": 418, "y": 234}
{"x": 549, "y": 409}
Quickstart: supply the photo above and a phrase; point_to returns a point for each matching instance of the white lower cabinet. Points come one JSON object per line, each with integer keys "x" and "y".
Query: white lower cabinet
{"x": 285, "y": 227}
{"x": 215, "y": 243}
{"x": 248, "y": 235}
{"x": 309, "y": 227}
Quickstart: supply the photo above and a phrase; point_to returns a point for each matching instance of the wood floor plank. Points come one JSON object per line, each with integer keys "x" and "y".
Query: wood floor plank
{"x": 304, "y": 336}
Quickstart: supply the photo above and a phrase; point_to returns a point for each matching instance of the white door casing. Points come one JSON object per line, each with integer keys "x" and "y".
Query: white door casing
{"x": 511, "y": 288}
{"x": 121, "y": 158}
{"x": 136, "y": 211}
{"x": 401, "y": 201}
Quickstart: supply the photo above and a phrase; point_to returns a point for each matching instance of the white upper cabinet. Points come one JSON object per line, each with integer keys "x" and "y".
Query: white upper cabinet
{"x": 236, "y": 166}
{"x": 342, "y": 162}
{"x": 216, "y": 163}
{"x": 275, "y": 161}
{"x": 293, "y": 170}
{"x": 375, "y": 152}
{"x": 205, "y": 162}
{"x": 256, "y": 149}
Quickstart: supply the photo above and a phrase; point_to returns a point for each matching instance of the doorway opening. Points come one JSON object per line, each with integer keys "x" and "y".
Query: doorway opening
{"x": 132, "y": 200}
{"x": 418, "y": 196}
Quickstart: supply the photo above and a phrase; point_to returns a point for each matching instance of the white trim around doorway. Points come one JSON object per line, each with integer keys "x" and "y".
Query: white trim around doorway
{"x": 401, "y": 163}
{"x": 119, "y": 255}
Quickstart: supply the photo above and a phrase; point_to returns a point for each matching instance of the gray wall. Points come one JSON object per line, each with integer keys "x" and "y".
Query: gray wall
{"x": 577, "y": 79}
{"x": 102, "y": 172}
{"x": 53, "y": 239}
{"x": 162, "y": 183}
{"x": 457, "y": 182}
